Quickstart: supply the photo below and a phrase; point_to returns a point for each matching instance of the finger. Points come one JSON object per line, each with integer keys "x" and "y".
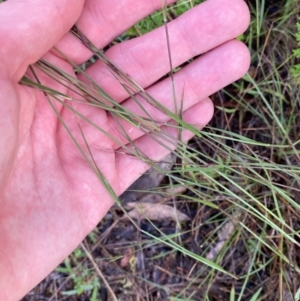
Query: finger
{"x": 130, "y": 168}
{"x": 28, "y": 29}
{"x": 102, "y": 21}
{"x": 145, "y": 59}
{"x": 195, "y": 82}
{"x": 206, "y": 75}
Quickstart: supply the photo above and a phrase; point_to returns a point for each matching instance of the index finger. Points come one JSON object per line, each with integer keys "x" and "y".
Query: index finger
{"x": 102, "y": 21}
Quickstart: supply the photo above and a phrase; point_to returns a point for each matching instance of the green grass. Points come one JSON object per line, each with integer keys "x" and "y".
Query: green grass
{"x": 241, "y": 175}
{"x": 295, "y": 70}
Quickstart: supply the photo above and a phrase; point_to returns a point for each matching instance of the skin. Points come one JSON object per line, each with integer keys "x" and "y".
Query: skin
{"x": 50, "y": 199}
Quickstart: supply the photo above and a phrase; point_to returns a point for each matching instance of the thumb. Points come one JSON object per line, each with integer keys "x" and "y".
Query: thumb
{"x": 28, "y": 29}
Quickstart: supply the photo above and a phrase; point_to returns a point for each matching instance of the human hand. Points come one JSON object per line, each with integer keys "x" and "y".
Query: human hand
{"x": 50, "y": 199}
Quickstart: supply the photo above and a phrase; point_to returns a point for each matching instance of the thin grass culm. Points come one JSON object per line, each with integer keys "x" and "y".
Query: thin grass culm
{"x": 222, "y": 222}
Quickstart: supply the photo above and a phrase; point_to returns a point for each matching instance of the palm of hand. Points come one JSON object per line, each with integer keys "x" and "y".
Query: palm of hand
{"x": 51, "y": 198}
